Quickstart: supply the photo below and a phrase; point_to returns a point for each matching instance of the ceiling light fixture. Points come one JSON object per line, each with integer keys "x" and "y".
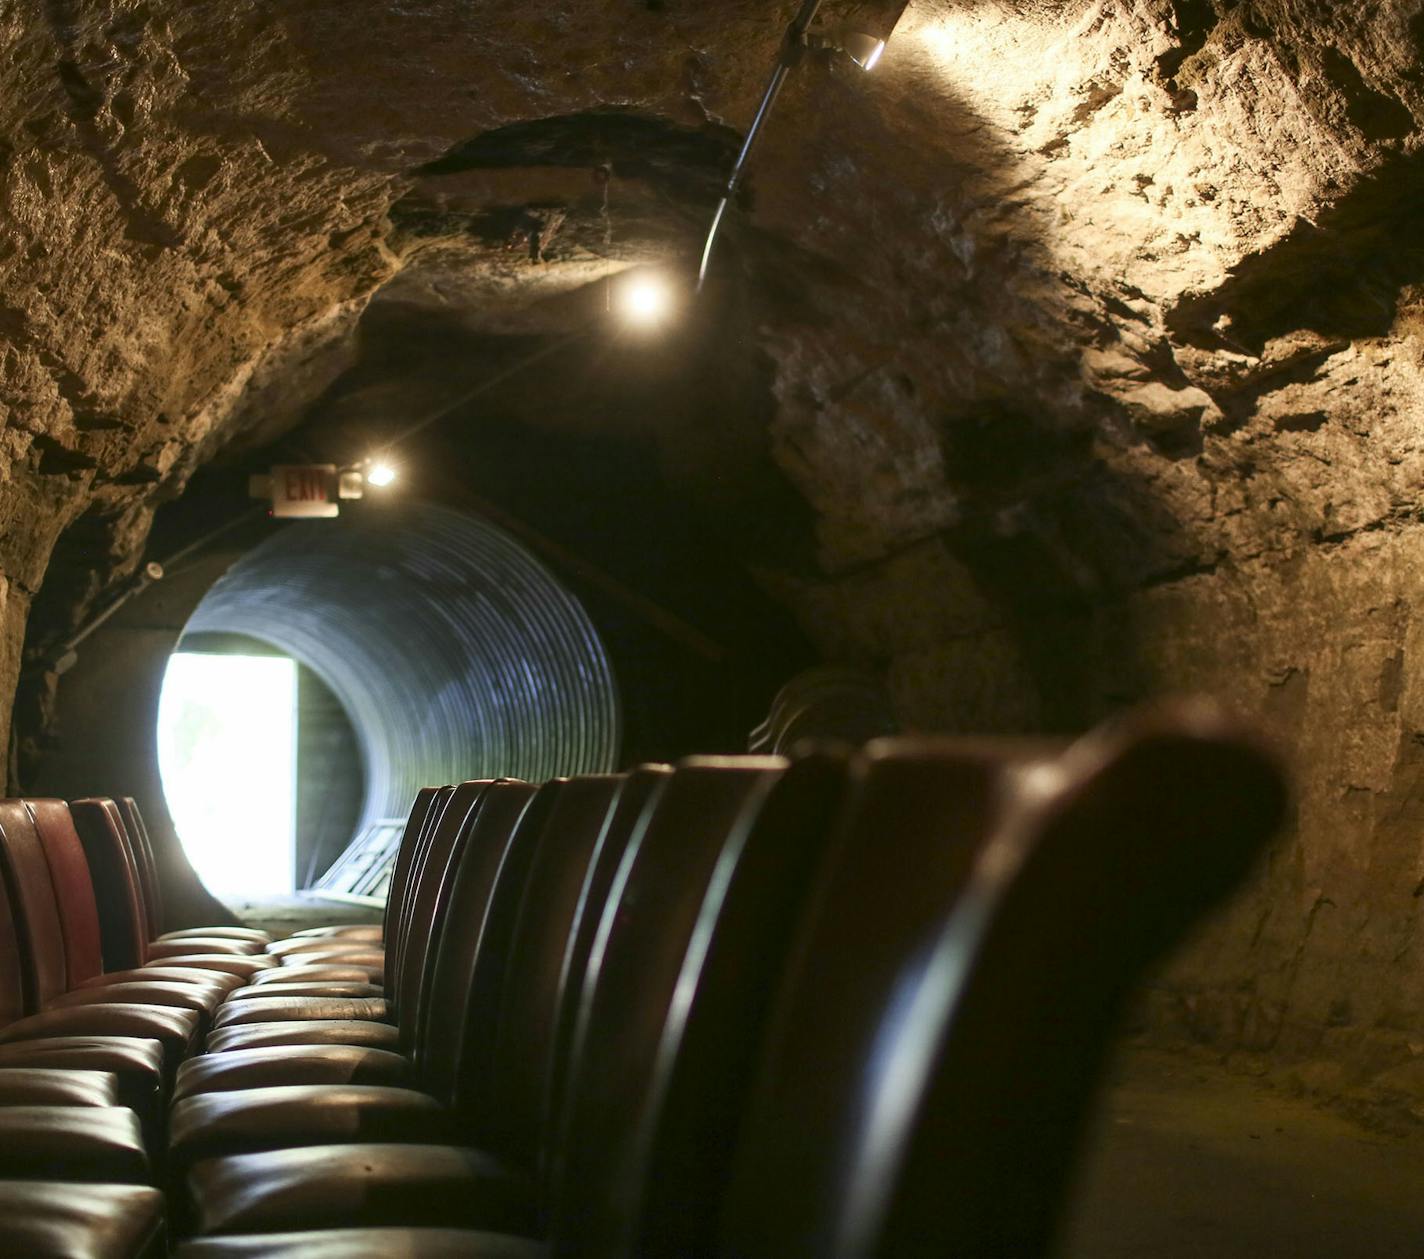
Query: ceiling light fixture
{"x": 864, "y": 50}
{"x": 380, "y": 474}
{"x": 644, "y": 300}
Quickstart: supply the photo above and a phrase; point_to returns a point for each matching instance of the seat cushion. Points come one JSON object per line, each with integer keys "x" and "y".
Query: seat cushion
{"x": 202, "y": 944}
{"x": 103, "y": 1143}
{"x": 54, "y": 1220}
{"x": 137, "y": 1065}
{"x": 175, "y": 1029}
{"x": 234, "y": 965}
{"x": 358, "y": 1032}
{"x": 336, "y": 1186}
{"x": 203, "y": 998}
{"x": 289, "y": 1064}
{"x": 165, "y": 974}
{"x": 218, "y": 933}
{"x": 372, "y": 933}
{"x": 319, "y": 944}
{"x": 264, "y": 1009}
{"x": 372, "y": 961}
{"x": 325, "y": 973}
{"x": 367, "y": 1243}
{"x": 308, "y": 988}
{"x": 49, "y": 1086}
{"x": 288, "y": 1116}
{"x": 126, "y": 1057}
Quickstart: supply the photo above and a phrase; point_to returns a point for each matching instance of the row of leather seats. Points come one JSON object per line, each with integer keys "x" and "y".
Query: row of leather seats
{"x": 97, "y": 1009}
{"x": 835, "y": 1005}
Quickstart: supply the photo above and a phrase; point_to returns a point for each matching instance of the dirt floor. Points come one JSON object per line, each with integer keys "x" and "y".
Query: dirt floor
{"x": 1192, "y": 1161}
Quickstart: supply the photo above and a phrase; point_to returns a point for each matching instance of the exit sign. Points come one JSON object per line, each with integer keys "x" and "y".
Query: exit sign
{"x": 305, "y": 491}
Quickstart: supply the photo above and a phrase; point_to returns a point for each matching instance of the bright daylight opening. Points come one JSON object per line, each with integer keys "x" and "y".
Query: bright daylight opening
{"x": 227, "y": 752}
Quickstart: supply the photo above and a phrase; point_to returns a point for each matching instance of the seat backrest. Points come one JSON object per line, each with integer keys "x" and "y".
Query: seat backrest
{"x": 425, "y": 799}
{"x": 428, "y": 901}
{"x": 637, "y": 797}
{"x": 14, "y": 979}
{"x": 123, "y": 924}
{"x": 459, "y": 1006}
{"x": 678, "y": 1146}
{"x": 634, "y": 977}
{"x": 514, "y": 987}
{"x": 134, "y": 829}
{"x": 400, "y": 919}
{"x": 73, "y": 888}
{"x": 35, "y": 907}
{"x": 957, "y": 982}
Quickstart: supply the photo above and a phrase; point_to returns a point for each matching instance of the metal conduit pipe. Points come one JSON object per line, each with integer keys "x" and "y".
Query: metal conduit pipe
{"x": 455, "y": 652}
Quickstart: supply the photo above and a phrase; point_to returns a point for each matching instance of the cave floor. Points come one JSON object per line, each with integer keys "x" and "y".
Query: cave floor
{"x": 1192, "y": 1161}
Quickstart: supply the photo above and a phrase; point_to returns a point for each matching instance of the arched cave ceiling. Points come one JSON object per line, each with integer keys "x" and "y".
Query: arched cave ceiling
{"x": 1066, "y": 301}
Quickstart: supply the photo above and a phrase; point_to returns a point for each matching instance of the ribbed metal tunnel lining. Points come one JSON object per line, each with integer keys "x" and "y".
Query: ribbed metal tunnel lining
{"x": 454, "y": 651}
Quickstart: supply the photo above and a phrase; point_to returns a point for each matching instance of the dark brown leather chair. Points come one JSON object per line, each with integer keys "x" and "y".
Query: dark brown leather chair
{"x": 956, "y": 987}
{"x": 493, "y": 851}
{"x": 513, "y": 915}
{"x": 633, "y": 977}
{"x": 262, "y": 1020}
{"x": 356, "y": 959}
{"x": 938, "y": 1023}
{"x": 428, "y": 802}
{"x": 95, "y": 1221}
{"x": 447, "y": 831}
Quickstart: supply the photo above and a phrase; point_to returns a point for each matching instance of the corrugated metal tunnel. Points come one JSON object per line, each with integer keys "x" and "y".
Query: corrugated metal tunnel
{"x": 454, "y": 651}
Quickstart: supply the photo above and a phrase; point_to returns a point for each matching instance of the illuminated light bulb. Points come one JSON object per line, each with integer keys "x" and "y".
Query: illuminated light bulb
{"x": 645, "y": 300}
{"x": 864, "y": 50}
{"x": 380, "y": 475}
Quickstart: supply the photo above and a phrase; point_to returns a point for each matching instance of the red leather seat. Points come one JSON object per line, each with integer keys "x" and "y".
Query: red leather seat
{"x": 307, "y": 985}
{"x": 47, "y": 951}
{"x": 136, "y": 1064}
{"x": 321, "y": 973}
{"x": 51, "y": 827}
{"x": 124, "y": 908}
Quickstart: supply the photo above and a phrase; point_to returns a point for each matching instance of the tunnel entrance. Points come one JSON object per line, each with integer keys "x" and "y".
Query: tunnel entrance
{"x": 217, "y": 711}
{"x": 443, "y": 648}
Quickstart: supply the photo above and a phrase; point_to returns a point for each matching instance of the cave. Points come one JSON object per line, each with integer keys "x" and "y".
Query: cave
{"x": 1060, "y": 364}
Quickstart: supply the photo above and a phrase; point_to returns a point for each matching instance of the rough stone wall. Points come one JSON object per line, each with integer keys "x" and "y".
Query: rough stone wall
{"x": 1094, "y": 331}
{"x": 1137, "y": 407}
